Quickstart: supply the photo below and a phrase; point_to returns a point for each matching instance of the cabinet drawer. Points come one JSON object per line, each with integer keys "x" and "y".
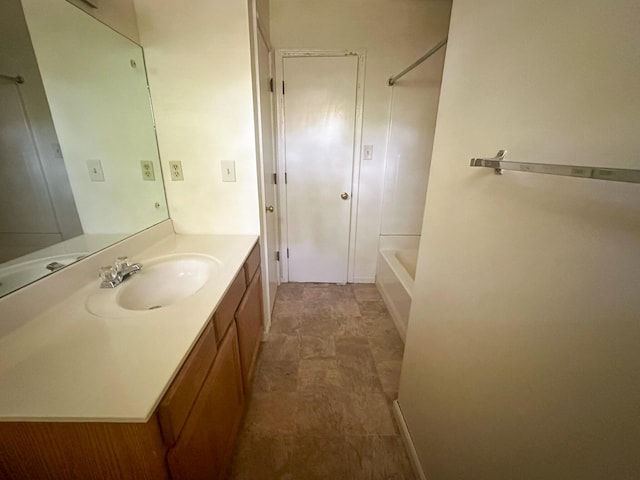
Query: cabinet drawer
{"x": 227, "y": 308}
{"x": 177, "y": 402}
{"x": 252, "y": 263}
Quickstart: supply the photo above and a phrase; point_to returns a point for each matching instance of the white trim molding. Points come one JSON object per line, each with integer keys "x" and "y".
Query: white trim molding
{"x": 408, "y": 442}
{"x": 357, "y": 147}
{"x": 369, "y": 279}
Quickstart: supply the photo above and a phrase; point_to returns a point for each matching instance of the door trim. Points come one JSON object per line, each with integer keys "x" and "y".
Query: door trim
{"x": 281, "y": 54}
{"x": 258, "y": 34}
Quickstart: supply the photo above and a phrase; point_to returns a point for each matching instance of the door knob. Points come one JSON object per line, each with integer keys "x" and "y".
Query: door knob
{"x": 270, "y": 209}
{"x": 344, "y": 196}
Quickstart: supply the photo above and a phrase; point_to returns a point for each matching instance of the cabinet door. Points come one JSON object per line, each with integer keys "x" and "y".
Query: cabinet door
{"x": 249, "y": 321}
{"x": 205, "y": 446}
{"x": 174, "y": 408}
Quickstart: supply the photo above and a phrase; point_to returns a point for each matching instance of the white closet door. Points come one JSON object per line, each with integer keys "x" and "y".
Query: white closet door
{"x": 319, "y": 114}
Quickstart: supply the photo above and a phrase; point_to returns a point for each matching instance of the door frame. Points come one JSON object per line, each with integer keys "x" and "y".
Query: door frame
{"x": 281, "y": 54}
{"x": 258, "y": 34}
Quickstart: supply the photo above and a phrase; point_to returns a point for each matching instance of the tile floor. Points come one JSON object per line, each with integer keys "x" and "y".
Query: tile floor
{"x": 322, "y": 392}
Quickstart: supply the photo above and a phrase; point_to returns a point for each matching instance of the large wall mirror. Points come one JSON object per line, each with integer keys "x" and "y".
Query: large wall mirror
{"x": 79, "y": 165}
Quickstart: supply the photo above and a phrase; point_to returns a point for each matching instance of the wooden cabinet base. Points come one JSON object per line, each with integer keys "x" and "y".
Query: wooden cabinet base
{"x": 206, "y": 443}
{"x": 69, "y": 451}
{"x": 249, "y": 319}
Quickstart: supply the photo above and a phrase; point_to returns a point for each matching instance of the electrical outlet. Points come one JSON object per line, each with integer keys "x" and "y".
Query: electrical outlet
{"x": 147, "y": 170}
{"x": 176, "y": 170}
{"x": 228, "y": 171}
{"x": 95, "y": 170}
{"x": 368, "y": 152}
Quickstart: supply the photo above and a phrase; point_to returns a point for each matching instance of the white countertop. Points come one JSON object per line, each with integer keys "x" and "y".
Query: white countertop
{"x": 67, "y": 364}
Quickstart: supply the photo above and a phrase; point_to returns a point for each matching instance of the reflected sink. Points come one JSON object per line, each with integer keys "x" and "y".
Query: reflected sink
{"x": 18, "y": 274}
{"x": 164, "y": 281}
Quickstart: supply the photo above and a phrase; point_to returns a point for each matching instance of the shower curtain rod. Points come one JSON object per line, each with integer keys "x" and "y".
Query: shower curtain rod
{"x": 15, "y": 78}
{"x": 437, "y": 47}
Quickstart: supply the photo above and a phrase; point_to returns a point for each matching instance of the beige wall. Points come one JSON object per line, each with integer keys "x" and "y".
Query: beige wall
{"x": 118, "y": 14}
{"x": 264, "y": 16}
{"x": 522, "y": 356}
{"x": 412, "y": 122}
{"x": 394, "y": 34}
{"x": 199, "y": 66}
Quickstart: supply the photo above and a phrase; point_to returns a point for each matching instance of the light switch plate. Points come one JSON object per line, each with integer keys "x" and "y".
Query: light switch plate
{"x": 95, "y": 170}
{"x": 228, "y": 171}
{"x": 368, "y": 152}
{"x": 176, "y": 170}
{"x": 147, "y": 170}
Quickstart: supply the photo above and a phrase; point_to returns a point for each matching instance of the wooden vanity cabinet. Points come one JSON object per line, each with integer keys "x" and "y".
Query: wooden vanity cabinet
{"x": 192, "y": 433}
{"x": 204, "y": 446}
{"x": 82, "y": 451}
{"x": 206, "y": 443}
{"x": 229, "y": 304}
{"x": 249, "y": 319}
{"x": 176, "y": 404}
{"x": 252, "y": 264}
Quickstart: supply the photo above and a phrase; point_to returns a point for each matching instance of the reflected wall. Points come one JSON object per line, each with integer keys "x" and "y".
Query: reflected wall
{"x": 79, "y": 132}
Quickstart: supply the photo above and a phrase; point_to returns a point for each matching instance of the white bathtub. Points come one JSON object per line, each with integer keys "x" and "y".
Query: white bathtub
{"x": 394, "y": 278}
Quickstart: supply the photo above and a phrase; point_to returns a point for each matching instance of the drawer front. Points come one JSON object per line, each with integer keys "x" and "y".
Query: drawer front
{"x": 252, "y": 263}
{"x": 226, "y": 310}
{"x": 177, "y": 402}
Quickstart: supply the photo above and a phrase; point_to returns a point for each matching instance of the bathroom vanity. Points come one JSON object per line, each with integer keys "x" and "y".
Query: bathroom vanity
{"x": 146, "y": 380}
{"x": 108, "y": 392}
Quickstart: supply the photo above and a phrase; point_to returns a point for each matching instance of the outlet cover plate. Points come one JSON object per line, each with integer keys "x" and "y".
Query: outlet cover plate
{"x": 147, "y": 170}
{"x": 176, "y": 170}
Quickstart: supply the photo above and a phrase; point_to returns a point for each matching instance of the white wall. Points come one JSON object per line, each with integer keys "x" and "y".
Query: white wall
{"x": 118, "y": 14}
{"x": 199, "y": 65}
{"x": 522, "y": 356}
{"x": 394, "y": 34}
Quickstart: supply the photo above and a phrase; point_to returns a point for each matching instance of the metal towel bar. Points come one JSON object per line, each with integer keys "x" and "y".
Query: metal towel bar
{"x": 598, "y": 173}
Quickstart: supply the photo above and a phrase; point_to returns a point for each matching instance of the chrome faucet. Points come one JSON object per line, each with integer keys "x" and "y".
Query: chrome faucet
{"x": 113, "y": 276}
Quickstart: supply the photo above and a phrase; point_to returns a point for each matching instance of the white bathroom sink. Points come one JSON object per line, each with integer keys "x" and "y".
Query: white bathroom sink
{"x": 163, "y": 281}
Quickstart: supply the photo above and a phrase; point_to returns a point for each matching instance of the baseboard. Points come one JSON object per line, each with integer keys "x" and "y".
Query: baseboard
{"x": 364, "y": 279}
{"x": 408, "y": 443}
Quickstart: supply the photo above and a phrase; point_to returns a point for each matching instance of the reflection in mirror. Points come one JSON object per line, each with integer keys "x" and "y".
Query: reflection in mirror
{"x": 79, "y": 166}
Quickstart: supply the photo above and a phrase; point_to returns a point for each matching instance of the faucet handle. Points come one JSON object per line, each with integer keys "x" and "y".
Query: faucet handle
{"x": 122, "y": 263}
{"x": 108, "y": 274}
